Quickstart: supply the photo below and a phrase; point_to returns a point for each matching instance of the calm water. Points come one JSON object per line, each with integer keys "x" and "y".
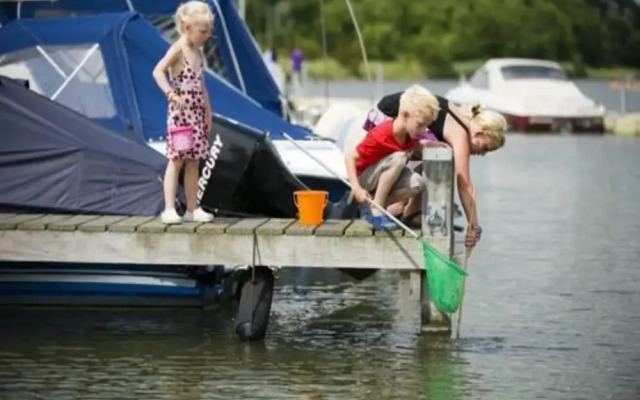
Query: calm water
{"x": 552, "y": 310}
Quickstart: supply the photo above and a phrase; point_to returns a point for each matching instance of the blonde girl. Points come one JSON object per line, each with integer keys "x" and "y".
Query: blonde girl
{"x": 188, "y": 107}
{"x": 468, "y": 131}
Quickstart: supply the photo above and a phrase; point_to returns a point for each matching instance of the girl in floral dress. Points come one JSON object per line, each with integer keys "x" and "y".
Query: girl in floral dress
{"x": 188, "y": 107}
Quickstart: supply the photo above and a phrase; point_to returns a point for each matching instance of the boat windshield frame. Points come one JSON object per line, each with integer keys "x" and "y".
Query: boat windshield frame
{"x": 532, "y": 71}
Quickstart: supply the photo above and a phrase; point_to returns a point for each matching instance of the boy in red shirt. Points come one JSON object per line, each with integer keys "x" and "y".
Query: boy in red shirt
{"x": 378, "y": 164}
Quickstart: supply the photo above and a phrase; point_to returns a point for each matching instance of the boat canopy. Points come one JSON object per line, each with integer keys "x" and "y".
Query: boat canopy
{"x": 231, "y": 52}
{"x": 101, "y": 66}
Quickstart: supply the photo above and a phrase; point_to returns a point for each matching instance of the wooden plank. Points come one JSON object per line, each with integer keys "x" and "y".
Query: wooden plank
{"x": 188, "y": 249}
{"x": 185, "y": 227}
{"x": 333, "y": 227}
{"x": 100, "y": 224}
{"x": 4, "y": 216}
{"x": 246, "y": 226}
{"x": 129, "y": 224}
{"x": 359, "y": 228}
{"x": 296, "y": 229}
{"x": 154, "y": 226}
{"x": 275, "y": 226}
{"x": 217, "y": 226}
{"x": 384, "y": 233}
{"x": 40, "y": 224}
{"x": 13, "y": 221}
{"x": 71, "y": 224}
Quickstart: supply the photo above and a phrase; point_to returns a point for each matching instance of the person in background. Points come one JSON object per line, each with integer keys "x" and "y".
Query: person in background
{"x": 297, "y": 61}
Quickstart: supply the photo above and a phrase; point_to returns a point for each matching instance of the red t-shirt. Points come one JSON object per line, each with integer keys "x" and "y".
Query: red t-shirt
{"x": 379, "y": 143}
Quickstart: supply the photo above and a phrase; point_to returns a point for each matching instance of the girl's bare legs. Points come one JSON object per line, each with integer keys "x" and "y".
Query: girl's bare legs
{"x": 170, "y": 186}
{"x": 171, "y": 183}
{"x": 191, "y": 184}
{"x": 194, "y": 213}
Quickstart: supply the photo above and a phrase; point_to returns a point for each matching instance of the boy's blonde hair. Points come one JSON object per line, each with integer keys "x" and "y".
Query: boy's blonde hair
{"x": 492, "y": 123}
{"x": 418, "y": 99}
{"x": 193, "y": 12}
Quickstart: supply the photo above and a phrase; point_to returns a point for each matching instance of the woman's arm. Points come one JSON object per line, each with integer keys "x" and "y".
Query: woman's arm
{"x": 463, "y": 180}
{"x": 169, "y": 59}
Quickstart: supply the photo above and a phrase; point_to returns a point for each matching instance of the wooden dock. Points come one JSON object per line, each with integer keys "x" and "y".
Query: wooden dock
{"x": 253, "y": 242}
{"x": 146, "y": 240}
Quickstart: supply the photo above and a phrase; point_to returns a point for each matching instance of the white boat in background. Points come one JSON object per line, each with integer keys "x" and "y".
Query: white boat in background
{"x": 532, "y": 94}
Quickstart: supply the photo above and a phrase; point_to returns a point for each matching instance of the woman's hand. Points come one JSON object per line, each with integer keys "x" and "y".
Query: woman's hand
{"x": 473, "y": 236}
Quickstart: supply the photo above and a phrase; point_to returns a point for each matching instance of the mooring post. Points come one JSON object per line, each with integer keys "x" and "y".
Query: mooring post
{"x": 437, "y": 225}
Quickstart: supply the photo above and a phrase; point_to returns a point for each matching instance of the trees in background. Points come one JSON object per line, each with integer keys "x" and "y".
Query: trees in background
{"x": 437, "y": 33}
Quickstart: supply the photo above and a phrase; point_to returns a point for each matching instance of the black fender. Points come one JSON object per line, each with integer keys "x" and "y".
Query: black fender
{"x": 256, "y": 295}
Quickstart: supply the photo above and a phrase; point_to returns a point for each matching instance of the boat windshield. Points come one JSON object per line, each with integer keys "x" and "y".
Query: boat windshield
{"x": 73, "y": 75}
{"x": 532, "y": 72}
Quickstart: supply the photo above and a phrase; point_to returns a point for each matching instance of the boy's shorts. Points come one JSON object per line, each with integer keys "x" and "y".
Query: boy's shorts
{"x": 409, "y": 183}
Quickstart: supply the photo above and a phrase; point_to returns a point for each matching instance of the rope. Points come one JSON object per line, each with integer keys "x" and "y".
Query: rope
{"x": 362, "y": 49}
{"x": 467, "y": 253}
{"x": 324, "y": 54}
{"x": 253, "y": 276}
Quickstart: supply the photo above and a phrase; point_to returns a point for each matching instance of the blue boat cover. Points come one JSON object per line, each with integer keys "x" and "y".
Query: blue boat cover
{"x": 232, "y": 35}
{"x": 53, "y": 159}
{"x": 130, "y": 47}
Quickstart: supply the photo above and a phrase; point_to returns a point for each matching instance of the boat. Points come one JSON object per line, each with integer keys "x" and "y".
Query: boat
{"x": 241, "y": 87}
{"x": 532, "y": 94}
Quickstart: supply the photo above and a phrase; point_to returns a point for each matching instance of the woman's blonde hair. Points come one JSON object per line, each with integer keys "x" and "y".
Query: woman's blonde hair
{"x": 492, "y": 123}
{"x": 418, "y": 99}
{"x": 192, "y": 12}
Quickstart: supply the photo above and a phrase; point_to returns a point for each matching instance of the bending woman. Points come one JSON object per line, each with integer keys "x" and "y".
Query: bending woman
{"x": 468, "y": 131}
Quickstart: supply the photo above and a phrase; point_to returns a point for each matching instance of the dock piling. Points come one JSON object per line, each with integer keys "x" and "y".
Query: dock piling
{"x": 437, "y": 226}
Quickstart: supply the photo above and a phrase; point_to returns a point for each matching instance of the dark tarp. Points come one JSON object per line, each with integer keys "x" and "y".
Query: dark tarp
{"x": 54, "y": 159}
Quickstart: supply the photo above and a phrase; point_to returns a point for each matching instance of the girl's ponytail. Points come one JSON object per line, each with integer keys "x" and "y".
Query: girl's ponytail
{"x": 476, "y": 110}
{"x": 179, "y": 16}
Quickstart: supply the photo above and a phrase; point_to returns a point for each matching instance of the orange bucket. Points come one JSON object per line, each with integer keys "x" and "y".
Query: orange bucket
{"x": 310, "y": 205}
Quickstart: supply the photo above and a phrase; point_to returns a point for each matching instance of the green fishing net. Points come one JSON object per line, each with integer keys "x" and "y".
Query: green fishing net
{"x": 445, "y": 280}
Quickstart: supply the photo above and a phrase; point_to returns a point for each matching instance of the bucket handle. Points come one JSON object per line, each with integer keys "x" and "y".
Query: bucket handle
{"x": 295, "y": 198}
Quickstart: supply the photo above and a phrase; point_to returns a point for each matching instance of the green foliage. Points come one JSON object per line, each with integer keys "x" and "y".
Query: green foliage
{"x": 432, "y": 37}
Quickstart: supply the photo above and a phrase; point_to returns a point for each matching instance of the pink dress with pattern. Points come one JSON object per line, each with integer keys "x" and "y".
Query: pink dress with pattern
{"x": 189, "y": 83}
